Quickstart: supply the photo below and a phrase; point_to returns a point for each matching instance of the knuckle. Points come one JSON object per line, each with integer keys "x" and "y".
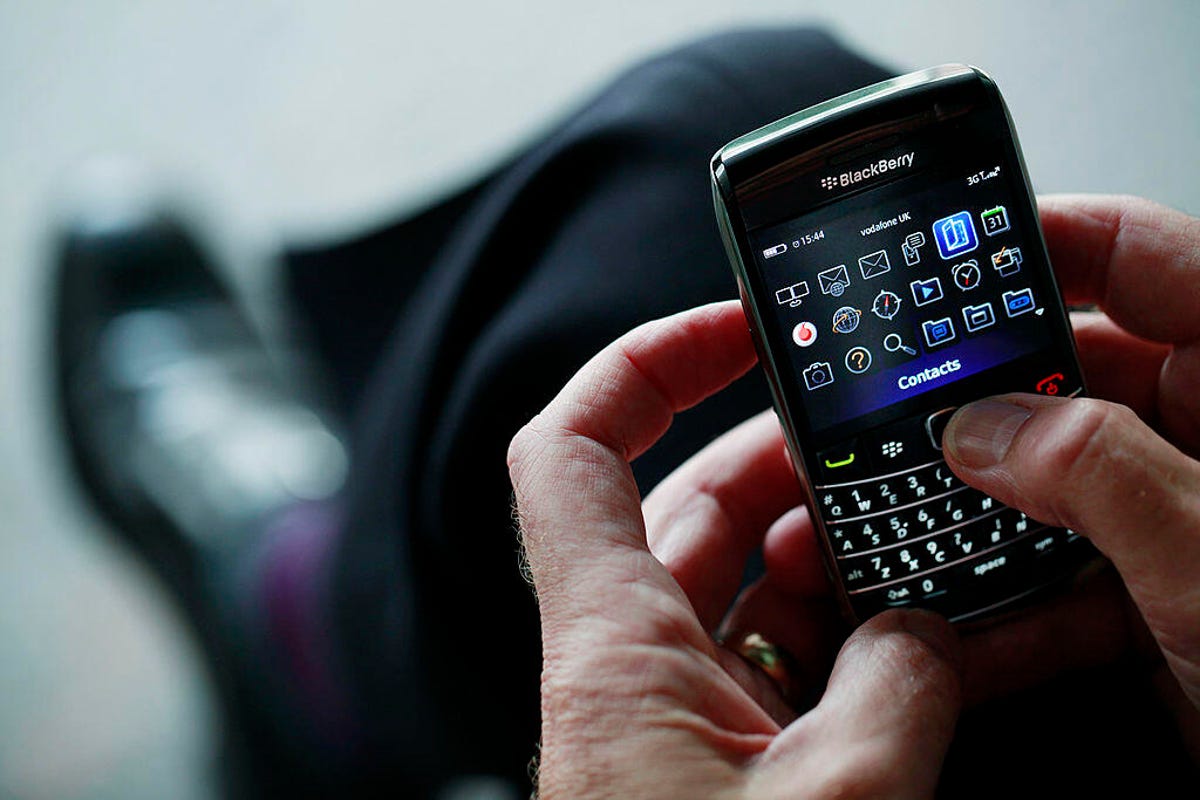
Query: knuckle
{"x": 927, "y": 679}
{"x": 1132, "y": 204}
{"x": 866, "y": 780}
{"x": 1090, "y": 427}
{"x": 526, "y": 449}
{"x": 1087, "y": 456}
{"x": 521, "y": 445}
{"x": 919, "y": 677}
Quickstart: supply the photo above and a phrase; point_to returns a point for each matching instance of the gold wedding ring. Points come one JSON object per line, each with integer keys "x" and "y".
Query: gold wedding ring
{"x": 772, "y": 660}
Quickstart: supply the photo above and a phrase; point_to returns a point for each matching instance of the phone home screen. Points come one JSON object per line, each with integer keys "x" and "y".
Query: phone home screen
{"x": 902, "y": 290}
{"x": 885, "y": 300}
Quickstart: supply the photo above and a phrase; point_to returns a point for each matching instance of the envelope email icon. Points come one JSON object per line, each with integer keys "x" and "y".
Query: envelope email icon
{"x": 834, "y": 280}
{"x": 874, "y": 264}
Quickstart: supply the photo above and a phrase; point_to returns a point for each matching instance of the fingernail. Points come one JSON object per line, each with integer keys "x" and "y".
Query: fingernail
{"x": 934, "y": 631}
{"x": 979, "y": 434}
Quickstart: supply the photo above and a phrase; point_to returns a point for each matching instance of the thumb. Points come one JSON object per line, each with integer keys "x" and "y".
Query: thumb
{"x": 886, "y": 720}
{"x": 1095, "y": 468}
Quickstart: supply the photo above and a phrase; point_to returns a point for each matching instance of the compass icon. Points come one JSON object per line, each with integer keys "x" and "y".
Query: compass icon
{"x": 886, "y": 305}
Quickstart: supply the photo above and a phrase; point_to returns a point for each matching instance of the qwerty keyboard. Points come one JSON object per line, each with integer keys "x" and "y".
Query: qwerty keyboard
{"x": 906, "y": 531}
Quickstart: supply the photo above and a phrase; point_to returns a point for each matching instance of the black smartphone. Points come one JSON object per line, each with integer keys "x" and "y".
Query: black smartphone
{"x": 892, "y": 267}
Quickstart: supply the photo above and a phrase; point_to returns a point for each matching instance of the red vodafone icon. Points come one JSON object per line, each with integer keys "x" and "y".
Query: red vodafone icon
{"x": 804, "y": 334}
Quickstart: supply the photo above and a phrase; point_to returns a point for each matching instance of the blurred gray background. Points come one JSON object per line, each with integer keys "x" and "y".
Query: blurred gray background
{"x": 304, "y": 120}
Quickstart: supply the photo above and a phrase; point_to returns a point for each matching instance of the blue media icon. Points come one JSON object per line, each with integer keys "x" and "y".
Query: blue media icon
{"x": 927, "y": 291}
{"x": 955, "y": 235}
{"x": 938, "y": 331}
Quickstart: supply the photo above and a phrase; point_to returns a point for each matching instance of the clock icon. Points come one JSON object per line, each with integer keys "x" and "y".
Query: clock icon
{"x": 886, "y": 305}
{"x": 845, "y": 319}
{"x": 967, "y": 275}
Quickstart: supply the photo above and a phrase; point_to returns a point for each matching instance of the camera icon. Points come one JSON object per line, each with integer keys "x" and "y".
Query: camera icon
{"x": 818, "y": 374}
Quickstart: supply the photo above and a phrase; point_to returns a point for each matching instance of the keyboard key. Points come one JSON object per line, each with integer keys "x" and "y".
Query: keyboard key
{"x": 843, "y": 463}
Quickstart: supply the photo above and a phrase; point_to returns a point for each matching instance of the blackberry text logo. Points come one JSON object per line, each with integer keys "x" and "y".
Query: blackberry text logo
{"x": 872, "y": 170}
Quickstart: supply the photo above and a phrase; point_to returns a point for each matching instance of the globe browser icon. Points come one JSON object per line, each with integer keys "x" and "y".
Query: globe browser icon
{"x": 955, "y": 235}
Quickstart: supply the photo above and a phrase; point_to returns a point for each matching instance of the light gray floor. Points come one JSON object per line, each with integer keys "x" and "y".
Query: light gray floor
{"x": 306, "y": 119}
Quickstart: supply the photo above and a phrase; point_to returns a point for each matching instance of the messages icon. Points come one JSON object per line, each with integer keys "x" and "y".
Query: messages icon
{"x": 874, "y": 264}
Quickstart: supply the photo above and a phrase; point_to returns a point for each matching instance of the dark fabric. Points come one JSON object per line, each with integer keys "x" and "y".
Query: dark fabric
{"x": 492, "y": 301}
{"x": 352, "y": 292}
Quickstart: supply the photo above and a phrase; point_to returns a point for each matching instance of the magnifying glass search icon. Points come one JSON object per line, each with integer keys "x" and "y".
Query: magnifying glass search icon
{"x": 892, "y": 342}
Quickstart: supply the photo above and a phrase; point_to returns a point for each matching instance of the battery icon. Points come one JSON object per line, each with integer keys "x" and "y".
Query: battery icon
{"x": 778, "y": 249}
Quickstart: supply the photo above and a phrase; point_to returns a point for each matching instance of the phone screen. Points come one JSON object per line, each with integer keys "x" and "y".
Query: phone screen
{"x": 904, "y": 288}
{"x": 894, "y": 265}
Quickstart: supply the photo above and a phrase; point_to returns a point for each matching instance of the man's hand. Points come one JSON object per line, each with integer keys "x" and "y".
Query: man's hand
{"x": 1097, "y": 466}
{"x": 638, "y": 700}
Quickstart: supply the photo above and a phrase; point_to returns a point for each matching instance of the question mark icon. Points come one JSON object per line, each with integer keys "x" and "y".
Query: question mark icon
{"x": 858, "y": 360}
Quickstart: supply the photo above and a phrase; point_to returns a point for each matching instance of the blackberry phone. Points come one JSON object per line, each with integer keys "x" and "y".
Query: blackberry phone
{"x": 892, "y": 267}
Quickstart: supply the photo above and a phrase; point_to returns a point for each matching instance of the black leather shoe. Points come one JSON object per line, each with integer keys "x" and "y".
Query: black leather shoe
{"x": 187, "y": 436}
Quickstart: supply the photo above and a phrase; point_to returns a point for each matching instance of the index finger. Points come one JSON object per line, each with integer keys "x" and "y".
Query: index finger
{"x": 1137, "y": 260}
{"x": 579, "y": 506}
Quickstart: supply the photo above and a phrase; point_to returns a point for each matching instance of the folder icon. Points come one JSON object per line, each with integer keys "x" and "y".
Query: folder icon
{"x": 978, "y": 317}
{"x": 874, "y": 264}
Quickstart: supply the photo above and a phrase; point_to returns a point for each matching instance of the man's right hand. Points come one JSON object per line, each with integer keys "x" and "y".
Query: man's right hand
{"x": 1098, "y": 466}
